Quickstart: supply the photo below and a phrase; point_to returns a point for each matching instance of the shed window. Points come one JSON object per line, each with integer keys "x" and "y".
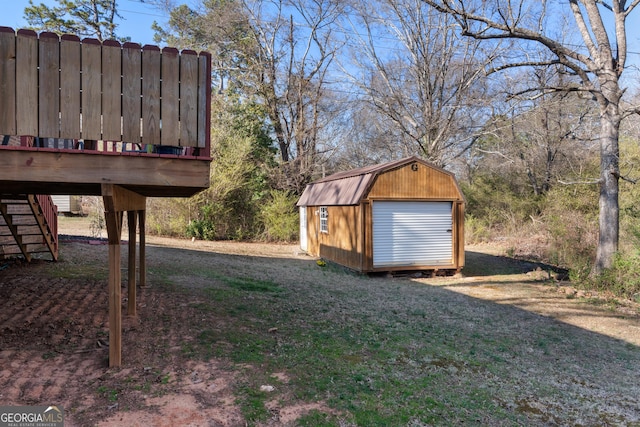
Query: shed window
{"x": 324, "y": 219}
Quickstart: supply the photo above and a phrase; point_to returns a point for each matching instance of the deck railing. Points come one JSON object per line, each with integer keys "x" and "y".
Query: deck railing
{"x": 50, "y": 213}
{"x": 104, "y": 96}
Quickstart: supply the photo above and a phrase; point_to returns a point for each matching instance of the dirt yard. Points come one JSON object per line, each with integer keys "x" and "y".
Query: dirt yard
{"x": 54, "y": 331}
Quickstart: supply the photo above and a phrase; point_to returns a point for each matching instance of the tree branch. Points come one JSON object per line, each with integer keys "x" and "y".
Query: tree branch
{"x": 509, "y": 31}
{"x": 631, "y": 111}
{"x": 624, "y": 178}
{"x": 631, "y": 7}
{"x": 523, "y": 64}
{"x": 591, "y": 182}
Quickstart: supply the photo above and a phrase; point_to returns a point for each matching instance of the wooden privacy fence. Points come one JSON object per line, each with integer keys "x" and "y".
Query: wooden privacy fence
{"x": 64, "y": 87}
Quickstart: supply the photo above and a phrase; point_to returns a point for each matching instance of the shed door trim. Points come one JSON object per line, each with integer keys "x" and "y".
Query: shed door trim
{"x": 304, "y": 243}
{"x": 412, "y": 233}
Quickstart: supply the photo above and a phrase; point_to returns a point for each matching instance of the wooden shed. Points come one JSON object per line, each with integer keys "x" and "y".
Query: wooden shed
{"x": 402, "y": 215}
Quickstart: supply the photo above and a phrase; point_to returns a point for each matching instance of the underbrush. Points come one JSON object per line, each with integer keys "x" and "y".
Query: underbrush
{"x": 559, "y": 228}
{"x": 623, "y": 278}
{"x": 273, "y": 218}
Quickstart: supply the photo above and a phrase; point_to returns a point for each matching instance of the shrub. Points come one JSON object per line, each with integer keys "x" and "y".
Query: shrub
{"x": 201, "y": 229}
{"x": 623, "y": 278}
{"x": 280, "y": 217}
{"x": 495, "y": 208}
{"x": 169, "y": 216}
{"x": 571, "y": 219}
{"x": 476, "y": 230}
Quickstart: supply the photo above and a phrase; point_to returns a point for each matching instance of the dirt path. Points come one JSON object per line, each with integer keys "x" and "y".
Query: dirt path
{"x": 53, "y": 332}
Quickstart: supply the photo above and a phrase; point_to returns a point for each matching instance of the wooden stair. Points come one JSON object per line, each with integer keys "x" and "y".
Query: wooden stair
{"x": 28, "y": 225}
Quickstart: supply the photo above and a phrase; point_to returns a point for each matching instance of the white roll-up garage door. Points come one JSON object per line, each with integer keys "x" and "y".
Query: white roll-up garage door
{"x": 412, "y": 233}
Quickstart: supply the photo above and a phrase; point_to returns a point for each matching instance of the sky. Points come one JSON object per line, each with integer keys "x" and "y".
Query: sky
{"x": 138, "y": 17}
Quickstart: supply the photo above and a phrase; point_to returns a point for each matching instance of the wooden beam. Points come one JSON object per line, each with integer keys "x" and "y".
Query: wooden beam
{"x": 143, "y": 249}
{"x": 131, "y": 268}
{"x": 7, "y": 81}
{"x": 174, "y": 177}
{"x": 116, "y": 201}
{"x": 27, "y": 83}
{"x": 112, "y": 219}
{"x": 122, "y": 199}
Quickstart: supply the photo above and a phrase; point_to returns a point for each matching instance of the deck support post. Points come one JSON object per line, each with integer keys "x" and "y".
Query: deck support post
{"x": 143, "y": 248}
{"x": 131, "y": 268}
{"x": 116, "y": 201}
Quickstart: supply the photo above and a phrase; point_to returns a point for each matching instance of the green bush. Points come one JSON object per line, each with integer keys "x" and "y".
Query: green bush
{"x": 169, "y": 216}
{"x": 623, "y": 278}
{"x": 476, "y": 230}
{"x": 280, "y": 217}
{"x": 201, "y": 229}
{"x": 501, "y": 207}
{"x": 571, "y": 219}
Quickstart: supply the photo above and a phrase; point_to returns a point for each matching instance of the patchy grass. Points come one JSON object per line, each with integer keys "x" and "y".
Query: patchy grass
{"x": 346, "y": 349}
{"x": 382, "y": 351}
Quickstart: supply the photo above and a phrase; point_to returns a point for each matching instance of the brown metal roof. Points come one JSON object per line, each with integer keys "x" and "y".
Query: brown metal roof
{"x": 345, "y": 191}
{"x": 349, "y": 187}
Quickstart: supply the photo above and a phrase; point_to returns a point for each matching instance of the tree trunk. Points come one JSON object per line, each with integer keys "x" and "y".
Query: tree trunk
{"x": 609, "y": 217}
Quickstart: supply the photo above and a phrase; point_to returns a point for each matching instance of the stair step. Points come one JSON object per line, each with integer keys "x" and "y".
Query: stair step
{"x": 20, "y": 227}
{"x": 16, "y": 200}
{"x": 28, "y": 229}
{"x": 7, "y": 240}
{"x": 23, "y": 220}
{"x": 19, "y": 209}
{"x": 32, "y": 239}
{"x": 10, "y": 250}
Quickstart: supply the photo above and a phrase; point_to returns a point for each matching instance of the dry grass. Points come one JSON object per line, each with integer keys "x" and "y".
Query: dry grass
{"x": 221, "y": 319}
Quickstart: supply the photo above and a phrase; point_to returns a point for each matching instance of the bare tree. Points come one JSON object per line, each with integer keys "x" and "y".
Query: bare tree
{"x": 420, "y": 74}
{"x": 368, "y": 138}
{"x": 598, "y": 62}
{"x": 295, "y": 49}
{"x": 277, "y": 53}
{"x": 545, "y": 139}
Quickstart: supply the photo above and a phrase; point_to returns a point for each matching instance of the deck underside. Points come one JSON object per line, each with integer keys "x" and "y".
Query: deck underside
{"x": 81, "y": 173}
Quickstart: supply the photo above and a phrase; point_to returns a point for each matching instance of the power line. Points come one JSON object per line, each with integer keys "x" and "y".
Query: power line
{"x": 141, "y": 13}
{"x": 339, "y": 30}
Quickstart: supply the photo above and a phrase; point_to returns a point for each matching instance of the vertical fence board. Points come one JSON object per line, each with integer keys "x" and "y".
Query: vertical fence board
{"x": 54, "y": 87}
{"x": 49, "y": 91}
{"x": 204, "y": 103}
{"x": 111, "y": 90}
{"x": 70, "y": 87}
{"x": 151, "y": 95}
{"x": 27, "y": 83}
{"x": 91, "y": 89}
{"x": 189, "y": 99}
{"x": 169, "y": 108}
{"x": 8, "y": 81}
{"x": 131, "y": 88}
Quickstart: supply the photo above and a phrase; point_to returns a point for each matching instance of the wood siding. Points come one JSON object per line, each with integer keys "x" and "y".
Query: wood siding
{"x": 343, "y": 243}
{"x": 349, "y": 241}
{"x": 422, "y": 183}
{"x": 64, "y": 87}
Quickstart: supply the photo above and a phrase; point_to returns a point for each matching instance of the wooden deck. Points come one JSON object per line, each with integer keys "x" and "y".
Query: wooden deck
{"x": 76, "y": 114}
{"x": 124, "y": 122}
{"x": 82, "y": 172}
